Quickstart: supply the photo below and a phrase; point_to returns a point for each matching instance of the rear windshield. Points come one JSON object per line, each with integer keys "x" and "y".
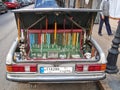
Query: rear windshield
{"x": 92, "y": 4}
{"x": 45, "y": 3}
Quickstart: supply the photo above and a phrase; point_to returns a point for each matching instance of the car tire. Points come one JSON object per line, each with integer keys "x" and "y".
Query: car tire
{"x": 6, "y": 11}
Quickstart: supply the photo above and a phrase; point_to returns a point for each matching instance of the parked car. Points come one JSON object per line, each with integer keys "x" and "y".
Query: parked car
{"x": 12, "y": 4}
{"x": 54, "y": 44}
{"x": 23, "y": 3}
{"x": 3, "y": 8}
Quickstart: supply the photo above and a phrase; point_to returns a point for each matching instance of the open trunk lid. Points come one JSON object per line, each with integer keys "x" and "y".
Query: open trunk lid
{"x": 55, "y": 34}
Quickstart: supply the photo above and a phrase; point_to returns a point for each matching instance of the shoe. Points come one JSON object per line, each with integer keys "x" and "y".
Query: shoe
{"x": 110, "y": 34}
{"x": 99, "y": 34}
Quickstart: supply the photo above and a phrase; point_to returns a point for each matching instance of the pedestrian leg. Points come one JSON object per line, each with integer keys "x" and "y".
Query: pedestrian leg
{"x": 100, "y": 26}
{"x": 108, "y": 27}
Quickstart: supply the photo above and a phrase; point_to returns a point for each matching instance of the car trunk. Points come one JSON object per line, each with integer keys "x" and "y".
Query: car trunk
{"x": 62, "y": 34}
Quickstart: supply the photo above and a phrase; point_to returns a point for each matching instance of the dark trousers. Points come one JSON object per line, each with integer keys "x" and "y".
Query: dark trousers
{"x": 108, "y": 28}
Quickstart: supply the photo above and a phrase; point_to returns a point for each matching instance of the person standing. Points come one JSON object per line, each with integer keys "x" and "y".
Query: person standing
{"x": 104, "y": 17}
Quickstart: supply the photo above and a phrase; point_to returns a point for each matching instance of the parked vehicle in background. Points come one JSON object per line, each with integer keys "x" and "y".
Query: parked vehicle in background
{"x": 12, "y": 4}
{"x": 23, "y": 3}
{"x": 3, "y": 8}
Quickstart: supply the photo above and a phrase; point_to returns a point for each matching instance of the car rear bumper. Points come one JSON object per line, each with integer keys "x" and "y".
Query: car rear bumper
{"x": 54, "y": 78}
{"x": 3, "y": 10}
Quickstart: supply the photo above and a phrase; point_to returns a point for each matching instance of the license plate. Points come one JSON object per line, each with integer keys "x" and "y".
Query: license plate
{"x": 56, "y": 70}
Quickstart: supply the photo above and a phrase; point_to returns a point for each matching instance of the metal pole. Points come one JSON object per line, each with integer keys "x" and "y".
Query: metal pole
{"x": 113, "y": 53}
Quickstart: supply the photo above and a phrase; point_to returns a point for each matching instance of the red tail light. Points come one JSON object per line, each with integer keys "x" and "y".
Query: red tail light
{"x": 33, "y": 69}
{"x": 16, "y": 68}
{"x": 94, "y": 68}
{"x": 21, "y": 68}
{"x": 79, "y": 68}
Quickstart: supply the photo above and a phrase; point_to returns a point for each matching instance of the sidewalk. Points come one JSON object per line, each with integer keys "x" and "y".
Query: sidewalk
{"x": 105, "y": 41}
